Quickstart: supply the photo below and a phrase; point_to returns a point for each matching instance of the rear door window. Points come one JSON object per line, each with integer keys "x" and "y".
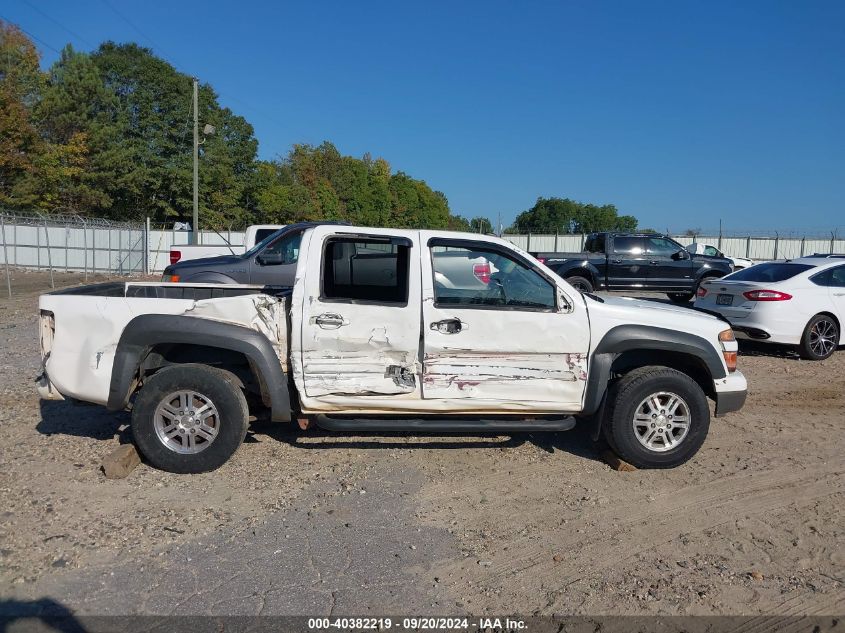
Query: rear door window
{"x": 770, "y": 272}
{"x": 833, "y": 277}
{"x": 628, "y": 245}
{"x": 366, "y": 269}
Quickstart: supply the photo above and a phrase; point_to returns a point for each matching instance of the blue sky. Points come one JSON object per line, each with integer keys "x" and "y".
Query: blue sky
{"x": 680, "y": 113}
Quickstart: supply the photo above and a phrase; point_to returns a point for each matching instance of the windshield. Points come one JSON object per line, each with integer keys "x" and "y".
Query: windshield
{"x": 770, "y": 272}
{"x": 265, "y": 241}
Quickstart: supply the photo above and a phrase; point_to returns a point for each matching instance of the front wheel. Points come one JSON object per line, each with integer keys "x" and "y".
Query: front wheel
{"x": 189, "y": 418}
{"x": 658, "y": 417}
{"x": 820, "y": 338}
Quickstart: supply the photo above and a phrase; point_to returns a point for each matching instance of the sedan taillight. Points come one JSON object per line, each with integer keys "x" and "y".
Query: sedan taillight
{"x": 766, "y": 295}
{"x": 701, "y": 292}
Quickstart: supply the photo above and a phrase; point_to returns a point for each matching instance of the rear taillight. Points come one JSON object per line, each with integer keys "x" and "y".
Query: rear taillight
{"x": 542, "y": 260}
{"x": 175, "y": 256}
{"x": 701, "y": 292}
{"x": 481, "y": 272}
{"x": 766, "y": 295}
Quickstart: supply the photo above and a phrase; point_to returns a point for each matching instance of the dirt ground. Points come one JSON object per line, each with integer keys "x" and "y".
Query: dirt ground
{"x": 530, "y": 524}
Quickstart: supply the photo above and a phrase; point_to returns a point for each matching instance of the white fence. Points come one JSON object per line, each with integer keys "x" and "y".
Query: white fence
{"x": 72, "y": 243}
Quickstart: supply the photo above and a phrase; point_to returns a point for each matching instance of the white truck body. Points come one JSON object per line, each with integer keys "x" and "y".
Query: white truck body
{"x": 430, "y": 349}
{"x": 738, "y": 263}
{"x": 253, "y": 235}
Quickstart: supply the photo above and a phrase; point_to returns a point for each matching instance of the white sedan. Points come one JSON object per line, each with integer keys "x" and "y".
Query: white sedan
{"x": 798, "y": 302}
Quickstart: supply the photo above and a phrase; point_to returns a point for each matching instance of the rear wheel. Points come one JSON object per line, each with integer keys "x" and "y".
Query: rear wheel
{"x": 189, "y": 418}
{"x": 581, "y": 284}
{"x": 820, "y": 338}
{"x": 658, "y": 417}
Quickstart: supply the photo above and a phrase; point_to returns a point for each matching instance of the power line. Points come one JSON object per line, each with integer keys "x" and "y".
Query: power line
{"x": 33, "y": 36}
{"x": 62, "y": 26}
{"x": 137, "y": 30}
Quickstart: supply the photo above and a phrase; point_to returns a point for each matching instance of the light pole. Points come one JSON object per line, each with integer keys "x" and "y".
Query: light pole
{"x": 207, "y": 131}
{"x": 196, "y": 224}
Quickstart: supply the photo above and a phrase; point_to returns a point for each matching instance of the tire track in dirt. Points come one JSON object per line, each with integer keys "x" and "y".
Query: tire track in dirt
{"x": 787, "y": 619}
{"x": 637, "y": 527}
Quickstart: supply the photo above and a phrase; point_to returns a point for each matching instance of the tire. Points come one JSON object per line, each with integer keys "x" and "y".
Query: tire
{"x": 680, "y": 297}
{"x": 820, "y": 338}
{"x": 581, "y": 284}
{"x": 180, "y": 443}
{"x": 667, "y": 444}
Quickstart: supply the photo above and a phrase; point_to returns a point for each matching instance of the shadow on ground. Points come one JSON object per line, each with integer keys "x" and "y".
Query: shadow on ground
{"x": 44, "y": 614}
{"x": 577, "y": 441}
{"x": 65, "y": 417}
{"x": 82, "y": 420}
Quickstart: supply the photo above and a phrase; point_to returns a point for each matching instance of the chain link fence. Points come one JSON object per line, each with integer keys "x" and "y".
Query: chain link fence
{"x": 69, "y": 247}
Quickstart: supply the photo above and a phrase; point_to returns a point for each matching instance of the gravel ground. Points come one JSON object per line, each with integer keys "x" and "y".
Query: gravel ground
{"x": 318, "y": 523}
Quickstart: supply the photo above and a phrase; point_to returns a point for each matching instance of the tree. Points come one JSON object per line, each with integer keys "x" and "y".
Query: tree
{"x": 21, "y": 81}
{"x": 562, "y": 215}
{"x": 480, "y": 225}
{"x": 109, "y": 133}
{"x": 313, "y": 183}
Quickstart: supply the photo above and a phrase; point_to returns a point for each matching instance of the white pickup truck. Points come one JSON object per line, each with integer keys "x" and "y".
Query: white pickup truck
{"x": 375, "y": 336}
{"x": 253, "y": 235}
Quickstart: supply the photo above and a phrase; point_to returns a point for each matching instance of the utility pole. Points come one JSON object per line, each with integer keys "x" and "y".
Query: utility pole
{"x": 196, "y": 225}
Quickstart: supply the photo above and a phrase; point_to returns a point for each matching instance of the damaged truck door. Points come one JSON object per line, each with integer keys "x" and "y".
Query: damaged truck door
{"x": 360, "y": 321}
{"x": 504, "y": 333}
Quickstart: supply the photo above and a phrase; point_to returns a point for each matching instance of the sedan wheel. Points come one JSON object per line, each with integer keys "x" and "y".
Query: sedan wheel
{"x": 820, "y": 339}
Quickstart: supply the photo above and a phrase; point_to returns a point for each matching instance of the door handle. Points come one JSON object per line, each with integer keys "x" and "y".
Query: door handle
{"x": 330, "y": 321}
{"x": 615, "y": 261}
{"x": 654, "y": 262}
{"x": 447, "y": 326}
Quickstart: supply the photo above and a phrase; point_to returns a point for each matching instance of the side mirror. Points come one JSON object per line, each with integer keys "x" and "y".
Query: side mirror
{"x": 270, "y": 259}
{"x": 680, "y": 255}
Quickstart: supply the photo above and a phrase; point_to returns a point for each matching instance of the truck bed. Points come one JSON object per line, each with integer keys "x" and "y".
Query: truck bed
{"x": 157, "y": 290}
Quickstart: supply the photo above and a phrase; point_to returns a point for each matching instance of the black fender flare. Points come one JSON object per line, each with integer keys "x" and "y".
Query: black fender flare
{"x": 624, "y": 338}
{"x": 145, "y": 331}
{"x": 582, "y": 268}
{"x": 710, "y": 273}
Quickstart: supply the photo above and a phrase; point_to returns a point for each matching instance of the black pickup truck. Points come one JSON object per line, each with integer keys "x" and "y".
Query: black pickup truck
{"x": 636, "y": 261}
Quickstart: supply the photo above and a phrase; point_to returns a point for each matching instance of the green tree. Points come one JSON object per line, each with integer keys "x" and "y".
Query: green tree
{"x": 480, "y": 225}
{"x": 562, "y": 215}
{"x": 21, "y": 81}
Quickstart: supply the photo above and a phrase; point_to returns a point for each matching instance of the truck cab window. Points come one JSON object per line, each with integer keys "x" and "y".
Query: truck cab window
{"x": 662, "y": 246}
{"x": 285, "y": 250}
{"x": 362, "y": 269}
{"x": 594, "y": 244}
{"x": 487, "y": 277}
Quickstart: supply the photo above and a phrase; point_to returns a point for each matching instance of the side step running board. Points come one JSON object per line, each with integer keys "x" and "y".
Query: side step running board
{"x": 445, "y": 424}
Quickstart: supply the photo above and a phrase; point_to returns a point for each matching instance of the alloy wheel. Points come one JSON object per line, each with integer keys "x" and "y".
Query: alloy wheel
{"x": 661, "y": 421}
